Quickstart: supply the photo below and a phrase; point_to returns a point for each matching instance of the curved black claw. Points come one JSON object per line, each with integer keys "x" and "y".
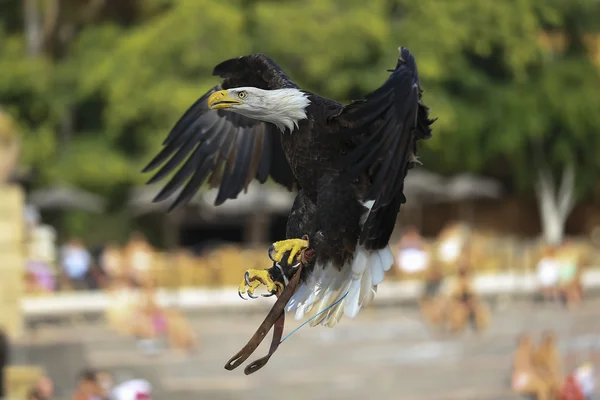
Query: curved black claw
{"x": 247, "y": 278}
{"x": 252, "y": 296}
{"x": 241, "y": 295}
{"x": 271, "y": 250}
{"x": 268, "y": 294}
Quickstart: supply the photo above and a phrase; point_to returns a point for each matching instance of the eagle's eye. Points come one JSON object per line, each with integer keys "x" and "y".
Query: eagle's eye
{"x": 243, "y": 94}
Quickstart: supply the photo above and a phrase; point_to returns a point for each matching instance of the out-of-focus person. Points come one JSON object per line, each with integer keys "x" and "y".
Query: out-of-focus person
{"x": 111, "y": 262}
{"x": 134, "y": 389}
{"x": 97, "y": 278}
{"x": 32, "y": 218}
{"x": 150, "y": 321}
{"x": 39, "y": 277}
{"x": 4, "y": 360}
{"x": 105, "y": 383}
{"x": 548, "y": 273}
{"x": 154, "y": 323}
{"x": 525, "y": 377}
{"x": 122, "y": 306}
{"x": 451, "y": 242}
{"x": 76, "y": 262}
{"x": 411, "y": 254}
{"x": 431, "y": 302}
{"x": 547, "y": 360}
{"x": 465, "y": 306}
{"x": 569, "y": 276}
{"x": 137, "y": 256}
{"x": 42, "y": 390}
{"x": 180, "y": 333}
{"x": 572, "y": 390}
{"x": 33, "y": 394}
{"x": 434, "y": 278}
{"x": 41, "y": 257}
{"x": 88, "y": 387}
{"x": 585, "y": 377}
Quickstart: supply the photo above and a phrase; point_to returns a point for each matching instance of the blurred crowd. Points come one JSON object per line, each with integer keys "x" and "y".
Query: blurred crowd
{"x": 80, "y": 268}
{"x": 447, "y": 307}
{"x": 94, "y": 385}
{"x": 123, "y": 273}
{"x": 91, "y": 384}
{"x": 74, "y": 266}
{"x": 446, "y": 267}
{"x": 559, "y": 275}
{"x": 449, "y": 300}
{"x": 539, "y": 372}
{"x": 139, "y": 314}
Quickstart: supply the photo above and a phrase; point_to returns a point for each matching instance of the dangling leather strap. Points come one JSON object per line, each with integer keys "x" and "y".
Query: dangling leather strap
{"x": 276, "y": 318}
{"x": 275, "y": 341}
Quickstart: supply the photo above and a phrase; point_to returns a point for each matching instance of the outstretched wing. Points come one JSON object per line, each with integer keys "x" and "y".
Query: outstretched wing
{"x": 225, "y": 149}
{"x": 385, "y": 128}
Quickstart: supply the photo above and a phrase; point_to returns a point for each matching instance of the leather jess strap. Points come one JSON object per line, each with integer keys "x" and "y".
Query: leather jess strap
{"x": 275, "y": 318}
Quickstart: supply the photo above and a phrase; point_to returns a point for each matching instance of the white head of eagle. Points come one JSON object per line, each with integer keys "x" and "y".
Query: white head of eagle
{"x": 281, "y": 107}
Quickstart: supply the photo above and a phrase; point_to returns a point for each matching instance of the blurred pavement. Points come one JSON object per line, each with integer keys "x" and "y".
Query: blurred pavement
{"x": 386, "y": 353}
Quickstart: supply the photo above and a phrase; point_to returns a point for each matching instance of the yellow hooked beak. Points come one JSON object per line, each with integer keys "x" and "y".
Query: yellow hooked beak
{"x": 221, "y": 99}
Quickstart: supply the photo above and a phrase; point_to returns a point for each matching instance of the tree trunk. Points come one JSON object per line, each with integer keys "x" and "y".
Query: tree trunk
{"x": 33, "y": 27}
{"x": 555, "y": 206}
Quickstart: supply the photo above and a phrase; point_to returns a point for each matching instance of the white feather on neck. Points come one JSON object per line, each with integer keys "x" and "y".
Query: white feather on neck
{"x": 282, "y": 107}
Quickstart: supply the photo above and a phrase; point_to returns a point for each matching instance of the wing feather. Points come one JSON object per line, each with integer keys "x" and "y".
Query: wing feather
{"x": 385, "y": 127}
{"x": 226, "y": 149}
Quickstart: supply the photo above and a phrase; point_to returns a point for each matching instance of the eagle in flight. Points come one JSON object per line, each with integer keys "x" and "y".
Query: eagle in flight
{"x": 347, "y": 162}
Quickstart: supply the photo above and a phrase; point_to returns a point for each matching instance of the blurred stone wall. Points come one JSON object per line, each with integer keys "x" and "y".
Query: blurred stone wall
{"x": 12, "y": 260}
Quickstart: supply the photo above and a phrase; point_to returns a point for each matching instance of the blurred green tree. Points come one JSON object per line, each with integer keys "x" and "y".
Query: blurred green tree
{"x": 515, "y": 87}
{"x": 94, "y": 85}
{"x": 107, "y": 79}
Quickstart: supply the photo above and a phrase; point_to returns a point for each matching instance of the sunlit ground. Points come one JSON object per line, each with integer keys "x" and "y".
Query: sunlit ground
{"x": 387, "y": 353}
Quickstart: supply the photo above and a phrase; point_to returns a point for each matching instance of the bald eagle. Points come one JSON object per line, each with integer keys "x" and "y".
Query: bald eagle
{"x": 347, "y": 162}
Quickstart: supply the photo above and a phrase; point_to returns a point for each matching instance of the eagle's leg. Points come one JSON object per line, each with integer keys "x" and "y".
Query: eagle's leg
{"x": 253, "y": 278}
{"x": 301, "y": 221}
{"x": 275, "y": 278}
{"x": 295, "y": 247}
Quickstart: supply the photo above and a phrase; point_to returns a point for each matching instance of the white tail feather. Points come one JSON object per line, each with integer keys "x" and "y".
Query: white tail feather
{"x": 387, "y": 258}
{"x": 357, "y": 280}
{"x": 352, "y": 306}
{"x": 327, "y": 285}
{"x": 377, "y": 272}
{"x": 366, "y": 283}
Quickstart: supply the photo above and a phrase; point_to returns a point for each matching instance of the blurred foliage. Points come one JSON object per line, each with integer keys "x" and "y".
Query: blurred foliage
{"x": 513, "y": 83}
{"x": 95, "y": 85}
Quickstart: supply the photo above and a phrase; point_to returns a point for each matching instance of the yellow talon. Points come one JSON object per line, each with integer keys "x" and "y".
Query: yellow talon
{"x": 253, "y": 278}
{"x": 292, "y": 245}
{"x": 243, "y": 288}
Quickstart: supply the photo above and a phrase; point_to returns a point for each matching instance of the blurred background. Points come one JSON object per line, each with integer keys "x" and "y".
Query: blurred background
{"x": 493, "y": 295}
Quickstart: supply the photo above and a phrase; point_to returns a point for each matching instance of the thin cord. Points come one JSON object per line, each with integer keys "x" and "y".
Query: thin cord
{"x": 313, "y": 317}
